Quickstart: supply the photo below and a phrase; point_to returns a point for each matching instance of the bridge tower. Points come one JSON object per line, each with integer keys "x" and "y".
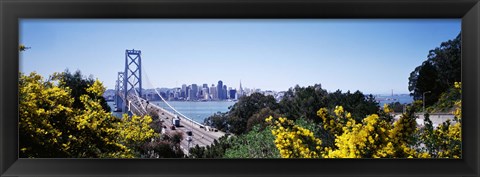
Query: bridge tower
{"x": 132, "y": 77}
{"x": 118, "y": 91}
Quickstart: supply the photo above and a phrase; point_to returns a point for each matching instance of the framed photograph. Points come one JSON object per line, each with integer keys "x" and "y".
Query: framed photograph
{"x": 244, "y": 88}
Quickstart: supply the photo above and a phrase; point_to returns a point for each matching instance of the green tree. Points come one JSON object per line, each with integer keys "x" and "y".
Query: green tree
{"x": 373, "y": 137}
{"x": 257, "y": 143}
{"x": 245, "y": 108}
{"x": 444, "y": 141}
{"x": 303, "y": 101}
{"x": 446, "y": 102}
{"x": 236, "y": 120}
{"x": 438, "y": 73}
{"x": 51, "y": 126}
{"x": 215, "y": 150}
{"x": 258, "y": 119}
{"x": 164, "y": 146}
{"x": 43, "y": 112}
{"x": 78, "y": 85}
{"x": 217, "y": 120}
{"x": 426, "y": 81}
{"x": 397, "y": 107}
{"x": 357, "y": 103}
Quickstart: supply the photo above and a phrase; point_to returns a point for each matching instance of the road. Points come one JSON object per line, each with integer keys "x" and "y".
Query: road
{"x": 436, "y": 118}
{"x": 200, "y": 136}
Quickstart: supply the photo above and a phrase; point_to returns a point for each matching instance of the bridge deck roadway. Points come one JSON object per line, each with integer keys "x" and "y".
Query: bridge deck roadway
{"x": 200, "y": 136}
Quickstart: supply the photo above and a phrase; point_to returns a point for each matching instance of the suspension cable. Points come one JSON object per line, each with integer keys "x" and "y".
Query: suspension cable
{"x": 170, "y": 106}
{"x": 138, "y": 99}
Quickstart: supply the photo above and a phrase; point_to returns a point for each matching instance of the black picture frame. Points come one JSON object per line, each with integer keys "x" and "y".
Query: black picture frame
{"x": 13, "y": 10}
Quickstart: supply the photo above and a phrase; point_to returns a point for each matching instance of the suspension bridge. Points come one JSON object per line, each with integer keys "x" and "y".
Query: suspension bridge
{"x": 128, "y": 99}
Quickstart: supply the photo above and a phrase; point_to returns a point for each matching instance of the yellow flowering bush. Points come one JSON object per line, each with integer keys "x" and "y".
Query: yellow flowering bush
{"x": 97, "y": 88}
{"x": 446, "y": 140}
{"x": 401, "y": 134}
{"x": 374, "y": 137}
{"x": 294, "y": 141}
{"x": 449, "y": 142}
{"x": 136, "y": 128}
{"x": 41, "y": 108}
{"x": 336, "y": 122}
{"x": 360, "y": 140}
{"x": 458, "y": 104}
{"x": 51, "y": 126}
{"x": 387, "y": 109}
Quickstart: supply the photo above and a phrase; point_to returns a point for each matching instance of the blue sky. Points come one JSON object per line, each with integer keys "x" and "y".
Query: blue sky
{"x": 373, "y": 56}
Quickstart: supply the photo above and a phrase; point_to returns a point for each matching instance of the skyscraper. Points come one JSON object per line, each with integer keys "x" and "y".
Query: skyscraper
{"x": 205, "y": 94}
{"x": 232, "y": 94}
{"x": 206, "y": 86}
{"x": 183, "y": 93}
{"x": 224, "y": 91}
{"x": 220, "y": 90}
{"x": 240, "y": 90}
{"x": 213, "y": 92}
{"x": 193, "y": 92}
{"x": 187, "y": 92}
{"x": 228, "y": 93}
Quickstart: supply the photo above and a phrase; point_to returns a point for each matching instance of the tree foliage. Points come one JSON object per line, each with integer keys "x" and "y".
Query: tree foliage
{"x": 258, "y": 119}
{"x": 215, "y": 150}
{"x": 336, "y": 133}
{"x": 298, "y": 102}
{"x": 164, "y": 146}
{"x": 257, "y": 143}
{"x": 52, "y": 125}
{"x": 447, "y": 100}
{"x": 397, "y": 107}
{"x": 358, "y": 104}
{"x": 305, "y": 101}
{"x": 294, "y": 141}
{"x": 445, "y": 141}
{"x": 438, "y": 73}
{"x": 79, "y": 85}
{"x": 236, "y": 120}
{"x": 217, "y": 120}
{"x": 373, "y": 137}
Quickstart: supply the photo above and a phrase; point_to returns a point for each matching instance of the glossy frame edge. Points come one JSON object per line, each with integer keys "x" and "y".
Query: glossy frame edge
{"x": 11, "y": 11}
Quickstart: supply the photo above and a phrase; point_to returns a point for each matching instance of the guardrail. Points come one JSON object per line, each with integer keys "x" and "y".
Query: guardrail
{"x": 180, "y": 115}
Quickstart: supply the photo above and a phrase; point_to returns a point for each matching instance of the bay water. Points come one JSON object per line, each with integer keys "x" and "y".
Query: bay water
{"x": 197, "y": 111}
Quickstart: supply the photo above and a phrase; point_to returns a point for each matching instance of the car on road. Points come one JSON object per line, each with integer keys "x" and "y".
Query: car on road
{"x": 172, "y": 127}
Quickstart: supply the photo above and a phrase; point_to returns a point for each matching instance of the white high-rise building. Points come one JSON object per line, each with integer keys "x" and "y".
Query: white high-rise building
{"x": 213, "y": 92}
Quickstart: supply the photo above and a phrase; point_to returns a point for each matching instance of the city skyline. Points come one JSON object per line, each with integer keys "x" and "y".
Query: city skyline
{"x": 373, "y": 56}
{"x": 233, "y": 86}
{"x": 203, "y": 91}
